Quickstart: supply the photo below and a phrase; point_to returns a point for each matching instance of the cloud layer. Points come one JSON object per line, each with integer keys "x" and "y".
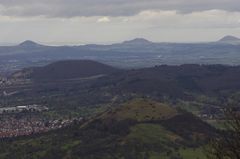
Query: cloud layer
{"x": 74, "y": 8}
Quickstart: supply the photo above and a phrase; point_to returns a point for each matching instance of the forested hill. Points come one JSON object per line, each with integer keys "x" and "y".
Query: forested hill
{"x": 176, "y": 80}
{"x": 159, "y": 81}
{"x": 68, "y": 69}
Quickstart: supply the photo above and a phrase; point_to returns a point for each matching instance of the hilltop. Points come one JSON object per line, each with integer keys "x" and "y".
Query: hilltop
{"x": 138, "y": 41}
{"x": 141, "y": 110}
{"x": 29, "y": 43}
{"x": 230, "y": 40}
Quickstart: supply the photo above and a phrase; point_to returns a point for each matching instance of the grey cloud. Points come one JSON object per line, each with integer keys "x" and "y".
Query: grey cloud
{"x": 72, "y": 8}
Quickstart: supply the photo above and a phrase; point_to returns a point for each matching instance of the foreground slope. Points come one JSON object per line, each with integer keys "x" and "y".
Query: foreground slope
{"x": 141, "y": 129}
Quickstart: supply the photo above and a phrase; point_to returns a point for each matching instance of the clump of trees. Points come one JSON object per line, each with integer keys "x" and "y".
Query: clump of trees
{"x": 227, "y": 144}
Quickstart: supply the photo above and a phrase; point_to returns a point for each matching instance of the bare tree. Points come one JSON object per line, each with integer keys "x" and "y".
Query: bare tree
{"x": 227, "y": 144}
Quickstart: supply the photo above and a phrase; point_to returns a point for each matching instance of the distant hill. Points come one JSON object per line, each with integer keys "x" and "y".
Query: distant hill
{"x": 161, "y": 132}
{"x": 66, "y": 70}
{"x": 230, "y": 40}
{"x": 29, "y": 44}
{"x": 138, "y": 41}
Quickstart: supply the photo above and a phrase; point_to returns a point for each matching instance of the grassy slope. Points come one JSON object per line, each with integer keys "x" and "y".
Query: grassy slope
{"x": 151, "y": 134}
{"x": 141, "y": 110}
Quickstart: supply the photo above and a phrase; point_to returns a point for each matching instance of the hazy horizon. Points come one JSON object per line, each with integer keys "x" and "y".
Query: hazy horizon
{"x": 101, "y": 43}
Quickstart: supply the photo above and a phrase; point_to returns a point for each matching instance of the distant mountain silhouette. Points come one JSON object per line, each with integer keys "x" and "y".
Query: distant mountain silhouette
{"x": 230, "y": 39}
{"x": 29, "y": 43}
{"x": 138, "y": 41}
{"x": 68, "y": 69}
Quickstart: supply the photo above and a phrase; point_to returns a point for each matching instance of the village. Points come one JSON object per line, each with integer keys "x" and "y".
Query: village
{"x": 15, "y": 126}
{"x": 27, "y": 120}
{"x": 24, "y": 108}
{"x": 4, "y": 81}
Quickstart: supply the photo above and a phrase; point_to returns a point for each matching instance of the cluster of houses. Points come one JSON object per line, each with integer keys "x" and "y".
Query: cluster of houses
{"x": 216, "y": 112}
{"x": 14, "y": 126}
{"x": 25, "y": 108}
{"x": 4, "y": 81}
{"x": 210, "y": 112}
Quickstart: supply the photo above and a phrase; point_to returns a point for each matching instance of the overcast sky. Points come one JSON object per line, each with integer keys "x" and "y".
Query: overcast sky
{"x": 109, "y": 21}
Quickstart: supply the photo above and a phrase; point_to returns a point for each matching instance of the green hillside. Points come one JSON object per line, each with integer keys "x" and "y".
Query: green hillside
{"x": 140, "y": 128}
{"x": 141, "y": 110}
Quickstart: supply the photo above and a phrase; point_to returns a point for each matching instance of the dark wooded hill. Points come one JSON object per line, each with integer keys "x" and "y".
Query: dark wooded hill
{"x": 176, "y": 80}
{"x": 68, "y": 69}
